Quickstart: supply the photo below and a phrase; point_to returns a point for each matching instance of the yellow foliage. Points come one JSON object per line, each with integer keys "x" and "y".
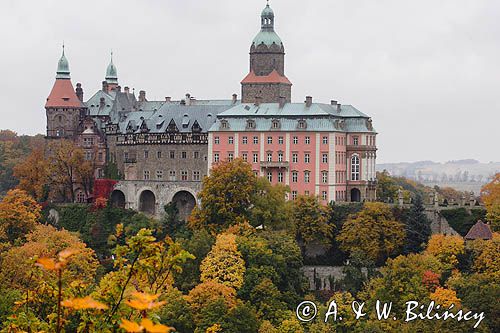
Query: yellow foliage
{"x": 224, "y": 263}
{"x": 144, "y": 301}
{"x": 131, "y": 326}
{"x": 490, "y": 194}
{"x": 146, "y": 325}
{"x": 445, "y": 297}
{"x": 84, "y": 304}
{"x": 373, "y": 231}
{"x": 487, "y": 252}
{"x": 215, "y": 328}
{"x": 19, "y": 214}
{"x": 209, "y": 291}
{"x": 446, "y": 249}
{"x": 33, "y": 173}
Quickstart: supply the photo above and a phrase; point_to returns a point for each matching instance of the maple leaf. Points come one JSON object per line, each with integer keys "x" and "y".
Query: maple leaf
{"x": 131, "y": 326}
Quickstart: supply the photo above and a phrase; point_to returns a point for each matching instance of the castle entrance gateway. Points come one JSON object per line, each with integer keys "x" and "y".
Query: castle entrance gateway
{"x": 118, "y": 199}
{"x": 185, "y": 202}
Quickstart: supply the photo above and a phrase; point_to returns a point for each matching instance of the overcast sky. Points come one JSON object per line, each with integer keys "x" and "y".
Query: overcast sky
{"x": 426, "y": 71}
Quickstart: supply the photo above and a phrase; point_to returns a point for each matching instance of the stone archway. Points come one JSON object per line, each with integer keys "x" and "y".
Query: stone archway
{"x": 355, "y": 195}
{"x": 185, "y": 202}
{"x": 147, "y": 202}
{"x": 118, "y": 199}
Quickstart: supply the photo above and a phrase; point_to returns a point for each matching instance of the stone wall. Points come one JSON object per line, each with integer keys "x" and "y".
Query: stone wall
{"x": 269, "y": 92}
{"x": 324, "y": 277}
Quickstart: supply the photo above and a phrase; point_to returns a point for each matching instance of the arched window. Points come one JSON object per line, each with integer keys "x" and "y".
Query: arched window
{"x": 355, "y": 167}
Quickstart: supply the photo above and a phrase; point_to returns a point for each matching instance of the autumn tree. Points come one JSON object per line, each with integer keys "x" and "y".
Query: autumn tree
{"x": 270, "y": 208}
{"x": 19, "y": 214}
{"x": 68, "y": 168}
{"x": 226, "y": 196}
{"x": 490, "y": 194}
{"x": 373, "y": 231}
{"x": 418, "y": 228}
{"x": 446, "y": 249}
{"x": 33, "y": 174}
{"x": 310, "y": 218}
{"x": 224, "y": 263}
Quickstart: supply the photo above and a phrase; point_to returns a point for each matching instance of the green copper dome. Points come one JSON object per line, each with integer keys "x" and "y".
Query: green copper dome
{"x": 63, "y": 67}
{"x": 111, "y": 73}
{"x": 267, "y": 35}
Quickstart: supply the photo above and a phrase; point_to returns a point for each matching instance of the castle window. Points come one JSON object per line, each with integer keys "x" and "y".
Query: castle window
{"x": 224, "y": 124}
{"x": 307, "y": 176}
{"x": 183, "y": 154}
{"x": 255, "y": 158}
{"x": 269, "y": 140}
{"x": 295, "y": 176}
{"x": 172, "y": 176}
{"x": 230, "y": 156}
{"x": 216, "y": 140}
{"x": 280, "y": 156}
{"x": 196, "y": 154}
{"x": 100, "y": 157}
{"x": 280, "y": 177}
{"x": 302, "y": 124}
{"x": 325, "y": 140}
{"x": 307, "y": 140}
{"x": 307, "y": 158}
{"x": 280, "y": 140}
{"x": 276, "y": 124}
{"x": 294, "y": 195}
{"x": 146, "y": 154}
{"x": 244, "y": 140}
{"x": 325, "y": 158}
{"x": 324, "y": 177}
{"x": 88, "y": 156}
{"x": 255, "y": 140}
{"x": 295, "y": 158}
{"x": 172, "y": 154}
{"x": 269, "y": 157}
{"x": 158, "y": 154}
{"x": 324, "y": 195}
{"x": 196, "y": 175}
{"x": 216, "y": 157}
{"x": 355, "y": 167}
{"x": 159, "y": 174}
{"x": 250, "y": 124}
{"x": 146, "y": 175}
{"x": 245, "y": 157}
{"x": 295, "y": 140}
{"x": 270, "y": 177}
{"x": 184, "y": 175}
{"x": 230, "y": 140}
{"x": 355, "y": 140}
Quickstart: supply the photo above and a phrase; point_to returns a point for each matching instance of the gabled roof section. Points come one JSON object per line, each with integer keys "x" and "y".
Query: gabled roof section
{"x": 63, "y": 95}
{"x": 273, "y": 77}
{"x": 480, "y": 230}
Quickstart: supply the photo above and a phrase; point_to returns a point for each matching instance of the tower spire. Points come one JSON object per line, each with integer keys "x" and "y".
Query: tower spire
{"x": 111, "y": 72}
{"x": 63, "y": 67}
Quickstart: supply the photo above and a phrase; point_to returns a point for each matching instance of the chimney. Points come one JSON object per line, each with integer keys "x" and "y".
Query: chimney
{"x": 142, "y": 96}
{"x": 119, "y": 88}
{"x": 102, "y": 102}
{"x": 79, "y": 91}
{"x": 168, "y": 99}
{"x": 333, "y": 102}
{"x": 339, "y": 107}
{"x": 105, "y": 86}
{"x": 235, "y": 98}
{"x": 258, "y": 100}
{"x": 127, "y": 90}
{"x": 188, "y": 99}
{"x": 282, "y": 102}
{"x": 309, "y": 101}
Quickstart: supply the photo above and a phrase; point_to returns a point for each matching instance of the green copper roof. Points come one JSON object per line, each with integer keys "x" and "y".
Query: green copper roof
{"x": 111, "y": 73}
{"x": 63, "y": 67}
{"x": 268, "y": 38}
{"x": 267, "y": 11}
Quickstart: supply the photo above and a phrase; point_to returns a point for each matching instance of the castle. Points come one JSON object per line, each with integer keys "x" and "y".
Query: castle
{"x": 163, "y": 149}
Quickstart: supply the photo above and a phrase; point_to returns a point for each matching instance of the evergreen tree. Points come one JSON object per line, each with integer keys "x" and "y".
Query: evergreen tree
{"x": 418, "y": 228}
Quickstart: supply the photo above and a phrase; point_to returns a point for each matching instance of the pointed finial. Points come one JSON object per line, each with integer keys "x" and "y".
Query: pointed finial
{"x": 111, "y": 55}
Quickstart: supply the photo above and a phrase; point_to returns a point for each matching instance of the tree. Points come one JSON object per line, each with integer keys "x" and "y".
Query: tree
{"x": 225, "y": 197}
{"x": 486, "y": 255}
{"x": 445, "y": 297}
{"x": 446, "y": 249}
{"x": 490, "y": 194}
{"x": 418, "y": 228}
{"x": 209, "y": 292}
{"x": 373, "y": 231}
{"x": 310, "y": 218}
{"x": 224, "y": 263}
{"x": 19, "y": 214}
{"x": 269, "y": 205}
{"x": 33, "y": 174}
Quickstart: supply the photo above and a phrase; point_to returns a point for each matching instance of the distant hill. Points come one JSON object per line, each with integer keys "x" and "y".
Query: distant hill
{"x": 463, "y": 175}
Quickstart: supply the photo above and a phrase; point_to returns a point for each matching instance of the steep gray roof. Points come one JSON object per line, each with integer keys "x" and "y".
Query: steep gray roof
{"x": 292, "y": 110}
{"x": 94, "y": 107}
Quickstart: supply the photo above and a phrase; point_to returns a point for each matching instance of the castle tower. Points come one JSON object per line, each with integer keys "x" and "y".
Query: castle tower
{"x": 63, "y": 107}
{"x": 266, "y": 80}
{"x": 111, "y": 75}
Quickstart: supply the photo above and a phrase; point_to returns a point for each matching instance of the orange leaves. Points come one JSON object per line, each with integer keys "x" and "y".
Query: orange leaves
{"x": 84, "y": 304}
{"x": 52, "y": 265}
{"x": 143, "y": 301}
{"x": 430, "y": 280}
{"x": 445, "y": 297}
{"x": 146, "y": 325}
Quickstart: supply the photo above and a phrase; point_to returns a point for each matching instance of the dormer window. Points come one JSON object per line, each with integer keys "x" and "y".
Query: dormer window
{"x": 185, "y": 121}
{"x": 250, "y": 124}
{"x": 302, "y": 124}
{"x": 276, "y": 124}
{"x": 224, "y": 124}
